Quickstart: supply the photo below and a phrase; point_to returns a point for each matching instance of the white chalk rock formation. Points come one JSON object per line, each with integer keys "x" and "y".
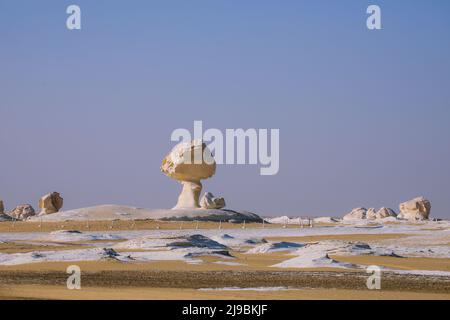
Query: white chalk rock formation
{"x": 50, "y": 203}
{"x": 325, "y": 220}
{"x": 382, "y": 213}
{"x": 3, "y": 216}
{"x": 416, "y": 209}
{"x": 208, "y": 201}
{"x": 356, "y": 214}
{"x": 22, "y": 212}
{"x": 385, "y": 213}
{"x": 371, "y": 214}
{"x": 188, "y": 163}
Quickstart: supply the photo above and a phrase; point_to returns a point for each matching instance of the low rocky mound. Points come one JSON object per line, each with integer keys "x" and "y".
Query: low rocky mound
{"x": 115, "y": 212}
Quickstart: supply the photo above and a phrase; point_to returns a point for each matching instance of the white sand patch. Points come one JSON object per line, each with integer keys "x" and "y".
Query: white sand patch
{"x": 326, "y": 220}
{"x": 287, "y": 220}
{"x": 97, "y": 254}
{"x": 317, "y": 255}
{"x": 314, "y": 260}
{"x": 238, "y": 242}
{"x": 275, "y": 247}
{"x": 75, "y": 236}
{"x": 51, "y": 256}
{"x": 117, "y": 212}
{"x": 150, "y": 242}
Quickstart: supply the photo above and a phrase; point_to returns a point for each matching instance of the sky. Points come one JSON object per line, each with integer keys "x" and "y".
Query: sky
{"x": 363, "y": 114}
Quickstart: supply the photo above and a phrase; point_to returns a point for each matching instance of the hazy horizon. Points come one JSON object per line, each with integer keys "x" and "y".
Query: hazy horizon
{"x": 363, "y": 115}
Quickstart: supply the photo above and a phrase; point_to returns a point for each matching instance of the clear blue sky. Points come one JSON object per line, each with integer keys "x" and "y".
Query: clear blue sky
{"x": 364, "y": 116}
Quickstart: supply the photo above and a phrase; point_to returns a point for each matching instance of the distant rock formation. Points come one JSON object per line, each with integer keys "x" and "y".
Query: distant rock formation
{"x": 3, "y": 216}
{"x": 385, "y": 213}
{"x": 326, "y": 220}
{"x": 208, "y": 201}
{"x": 380, "y": 214}
{"x": 416, "y": 209}
{"x": 188, "y": 163}
{"x": 50, "y": 203}
{"x": 356, "y": 214}
{"x": 371, "y": 214}
{"x": 22, "y": 212}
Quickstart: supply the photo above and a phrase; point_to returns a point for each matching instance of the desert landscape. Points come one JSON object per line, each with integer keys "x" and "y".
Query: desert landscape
{"x": 225, "y": 150}
{"x": 202, "y": 250}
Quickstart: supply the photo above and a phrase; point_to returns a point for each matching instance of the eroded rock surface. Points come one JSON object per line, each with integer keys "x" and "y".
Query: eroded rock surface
{"x": 50, "y": 203}
{"x": 22, "y": 212}
{"x": 208, "y": 201}
{"x": 356, "y": 214}
{"x": 416, "y": 209}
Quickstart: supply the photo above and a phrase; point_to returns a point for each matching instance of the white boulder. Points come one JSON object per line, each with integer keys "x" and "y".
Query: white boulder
{"x": 380, "y": 214}
{"x": 416, "y": 209}
{"x": 385, "y": 213}
{"x": 22, "y": 212}
{"x": 356, "y": 214}
{"x": 50, "y": 203}
{"x": 208, "y": 201}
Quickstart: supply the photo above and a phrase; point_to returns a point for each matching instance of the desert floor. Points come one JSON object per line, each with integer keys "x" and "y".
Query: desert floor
{"x": 420, "y": 268}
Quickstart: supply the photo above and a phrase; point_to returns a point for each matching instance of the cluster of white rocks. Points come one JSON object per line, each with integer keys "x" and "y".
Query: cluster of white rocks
{"x": 49, "y": 203}
{"x": 416, "y": 209}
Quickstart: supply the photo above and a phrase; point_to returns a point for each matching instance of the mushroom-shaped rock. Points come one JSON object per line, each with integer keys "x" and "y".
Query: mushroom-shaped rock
{"x": 22, "y": 212}
{"x": 50, "y": 203}
{"x": 416, "y": 209}
{"x": 208, "y": 201}
{"x": 188, "y": 163}
{"x": 356, "y": 214}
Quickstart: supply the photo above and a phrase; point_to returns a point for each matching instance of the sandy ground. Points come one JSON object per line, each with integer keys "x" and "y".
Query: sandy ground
{"x": 36, "y": 226}
{"x": 96, "y": 293}
{"x": 112, "y": 279}
{"x": 179, "y": 280}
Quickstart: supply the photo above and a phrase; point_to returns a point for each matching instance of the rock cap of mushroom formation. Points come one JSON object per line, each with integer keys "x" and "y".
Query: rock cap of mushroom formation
{"x": 208, "y": 201}
{"x": 22, "y": 212}
{"x": 415, "y": 209}
{"x": 50, "y": 203}
{"x": 188, "y": 163}
{"x": 356, "y": 214}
